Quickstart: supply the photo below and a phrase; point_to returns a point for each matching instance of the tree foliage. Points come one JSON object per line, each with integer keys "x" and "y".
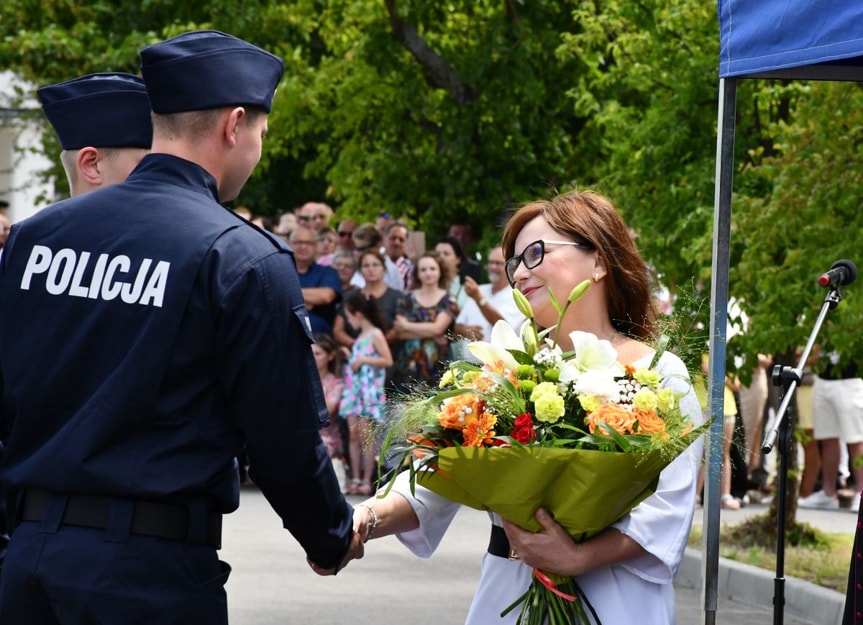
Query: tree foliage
{"x": 438, "y": 111}
{"x": 808, "y": 217}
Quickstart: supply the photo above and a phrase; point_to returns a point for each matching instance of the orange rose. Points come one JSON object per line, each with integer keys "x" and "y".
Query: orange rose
{"x": 617, "y": 418}
{"x": 650, "y": 423}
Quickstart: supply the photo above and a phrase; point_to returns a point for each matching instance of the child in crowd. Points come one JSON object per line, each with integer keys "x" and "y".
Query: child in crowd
{"x": 326, "y": 353}
{"x": 363, "y": 397}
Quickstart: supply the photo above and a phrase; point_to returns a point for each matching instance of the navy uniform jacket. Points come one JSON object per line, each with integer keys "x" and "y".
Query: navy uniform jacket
{"x": 146, "y": 335}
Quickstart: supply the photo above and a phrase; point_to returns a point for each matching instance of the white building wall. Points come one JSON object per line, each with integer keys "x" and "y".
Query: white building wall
{"x": 21, "y": 160}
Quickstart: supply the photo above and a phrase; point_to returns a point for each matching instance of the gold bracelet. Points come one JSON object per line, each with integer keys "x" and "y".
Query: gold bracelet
{"x": 374, "y": 520}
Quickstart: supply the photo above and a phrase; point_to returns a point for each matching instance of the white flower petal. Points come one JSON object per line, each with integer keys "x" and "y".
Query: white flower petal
{"x": 599, "y": 383}
{"x": 592, "y": 353}
{"x": 503, "y": 338}
{"x": 569, "y": 372}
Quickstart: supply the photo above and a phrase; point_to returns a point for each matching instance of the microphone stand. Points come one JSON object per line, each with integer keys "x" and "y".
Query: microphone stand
{"x": 789, "y": 379}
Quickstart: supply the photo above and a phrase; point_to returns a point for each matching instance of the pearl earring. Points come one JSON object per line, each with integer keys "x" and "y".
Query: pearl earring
{"x": 596, "y": 276}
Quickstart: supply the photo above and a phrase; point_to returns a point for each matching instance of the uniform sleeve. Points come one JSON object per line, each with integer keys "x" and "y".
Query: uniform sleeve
{"x": 269, "y": 373}
{"x": 661, "y": 523}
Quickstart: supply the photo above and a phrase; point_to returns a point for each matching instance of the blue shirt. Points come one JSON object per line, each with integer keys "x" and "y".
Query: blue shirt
{"x": 146, "y": 335}
{"x": 322, "y": 316}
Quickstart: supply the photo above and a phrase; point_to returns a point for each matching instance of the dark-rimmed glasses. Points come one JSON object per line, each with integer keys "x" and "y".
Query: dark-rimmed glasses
{"x": 532, "y": 256}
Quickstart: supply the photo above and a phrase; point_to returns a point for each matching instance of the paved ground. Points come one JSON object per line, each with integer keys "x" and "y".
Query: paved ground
{"x": 272, "y": 585}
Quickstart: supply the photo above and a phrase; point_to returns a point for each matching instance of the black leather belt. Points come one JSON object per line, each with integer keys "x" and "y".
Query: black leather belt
{"x": 498, "y": 544}
{"x": 149, "y": 518}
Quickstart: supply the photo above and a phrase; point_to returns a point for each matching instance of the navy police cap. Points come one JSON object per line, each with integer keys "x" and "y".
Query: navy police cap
{"x": 208, "y": 69}
{"x": 107, "y": 110}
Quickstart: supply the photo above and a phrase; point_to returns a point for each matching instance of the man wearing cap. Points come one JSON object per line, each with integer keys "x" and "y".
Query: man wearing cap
{"x": 172, "y": 334}
{"x": 104, "y": 126}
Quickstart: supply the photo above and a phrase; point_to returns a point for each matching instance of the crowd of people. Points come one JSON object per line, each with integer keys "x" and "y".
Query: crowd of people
{"x": 427, "y": 304}
{"x": 828, "y": 434}
{"x": 436, "y": 301}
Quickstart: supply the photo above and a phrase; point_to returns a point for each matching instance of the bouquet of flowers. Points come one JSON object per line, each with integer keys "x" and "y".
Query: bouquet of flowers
{"x": 533, "y": 426}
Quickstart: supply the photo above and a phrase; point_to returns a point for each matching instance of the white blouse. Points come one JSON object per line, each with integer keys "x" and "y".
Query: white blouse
{"x": 636, "y": 590}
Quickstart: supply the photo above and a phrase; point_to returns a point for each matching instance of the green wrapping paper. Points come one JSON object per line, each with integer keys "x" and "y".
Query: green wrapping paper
{"x": 585, "y": 490}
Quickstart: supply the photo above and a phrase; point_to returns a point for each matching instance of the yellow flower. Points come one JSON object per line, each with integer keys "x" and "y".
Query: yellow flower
{"x": 589, "y": 402}
{"x": 647, "y": 377}
{"x": 446, "y": 379}
{"x": 645, "y": 399}
{"x": 549, "y": 404}
{"x": 470, "y": 377}
{"x": 543, "y": 388}
{"x": 665, "y": 399}
{"x": 549, "y": 408}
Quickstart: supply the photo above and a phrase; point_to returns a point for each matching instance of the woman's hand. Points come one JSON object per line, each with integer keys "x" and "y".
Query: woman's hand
{"x": 355, "y": 365}
{"x": 550, "y": 550}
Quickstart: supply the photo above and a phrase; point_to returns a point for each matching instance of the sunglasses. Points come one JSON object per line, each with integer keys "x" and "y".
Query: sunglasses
{"x": 532, "y": 256}
{"x": 345, "y": 233}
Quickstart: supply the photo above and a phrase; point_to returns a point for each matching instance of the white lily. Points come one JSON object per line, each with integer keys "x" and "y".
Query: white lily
{"x": 591, "y": 354}
{"x": 503, "y": 338}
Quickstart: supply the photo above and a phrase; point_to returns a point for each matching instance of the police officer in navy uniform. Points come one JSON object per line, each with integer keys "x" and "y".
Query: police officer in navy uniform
{"x": 146, "y": 335}
{"x": 104, "y": 126}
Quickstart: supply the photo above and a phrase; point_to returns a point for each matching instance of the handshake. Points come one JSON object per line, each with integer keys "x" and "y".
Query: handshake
{"x": 365, "y": 524}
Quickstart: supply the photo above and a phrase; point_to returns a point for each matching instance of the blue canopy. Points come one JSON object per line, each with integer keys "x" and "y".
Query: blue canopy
{"x": 784, "y": 39}
{"x": 794, "y": 39}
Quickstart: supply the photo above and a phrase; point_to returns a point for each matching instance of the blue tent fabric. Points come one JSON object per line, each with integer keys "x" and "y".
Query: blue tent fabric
{"x": 759, "y": 37}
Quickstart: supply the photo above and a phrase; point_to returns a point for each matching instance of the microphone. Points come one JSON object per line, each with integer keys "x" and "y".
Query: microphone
{"x": 841, "y": 272}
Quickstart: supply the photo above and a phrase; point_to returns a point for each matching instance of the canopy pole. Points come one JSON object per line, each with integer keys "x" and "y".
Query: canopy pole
{"x": 718, "y": 332}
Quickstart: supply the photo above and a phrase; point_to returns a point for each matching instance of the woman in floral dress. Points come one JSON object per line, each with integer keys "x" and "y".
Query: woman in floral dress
{"x": 423, "y": 319}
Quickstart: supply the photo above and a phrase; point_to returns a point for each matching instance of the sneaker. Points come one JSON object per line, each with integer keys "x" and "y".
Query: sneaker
{"x": 819, "y": 499}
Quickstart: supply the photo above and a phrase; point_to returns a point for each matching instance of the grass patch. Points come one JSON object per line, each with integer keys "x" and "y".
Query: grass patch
{"x": 822, "y": 558}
